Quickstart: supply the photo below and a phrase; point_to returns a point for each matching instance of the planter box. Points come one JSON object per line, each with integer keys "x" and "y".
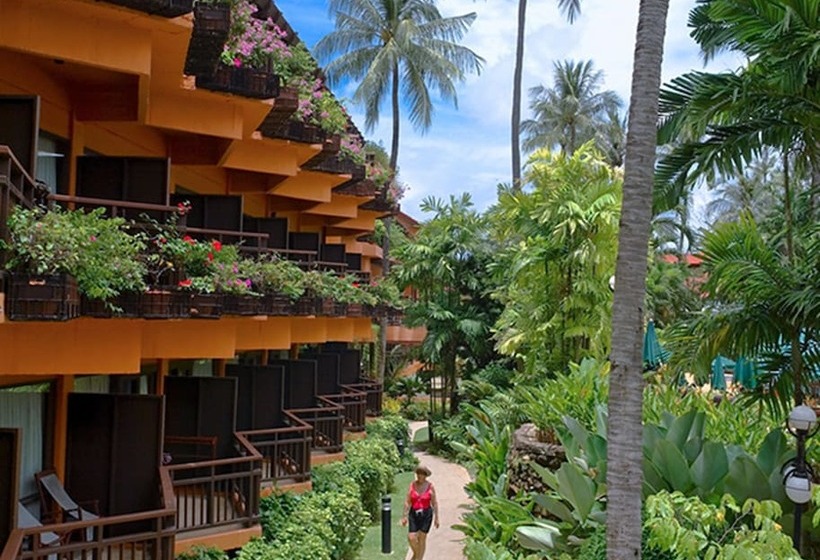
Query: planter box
{"x": 124, "y": 305}
{"x": 305, "y": 305}
{"x": 212, "y": 22}
{"x": 51, "y": 297}
{"x": 233, "y": 304}
{"x": 298, "y": 132}
{"x": 355, "y": 187}
{"x": 163, "y": 8}
{"x": 276, "y": 304}
{"x": 204, "y": 306}
{"x": 355, "y": 310}
{"x": 330, "y": 149}
{"x": 162, "y": 303}
{"x": 247, "y": 82}
{"x": 280, "y": 114}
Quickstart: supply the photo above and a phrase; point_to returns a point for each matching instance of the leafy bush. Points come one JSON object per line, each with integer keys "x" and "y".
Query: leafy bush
{"x": 394, "y": 428}
{"x": 347, "y": 520}
{"x": 275, "y": 512}
{"x": 334, "y": 477}
{"x": 594, "y": 548}
{"x": 378, "y": 452}
{"x": 199, "y": 552}
{"x": 415, "y": 411}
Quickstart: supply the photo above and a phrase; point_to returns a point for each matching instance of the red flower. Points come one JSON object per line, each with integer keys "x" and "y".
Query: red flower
{"x": 217, "y": 245}
{"x": 188, "y": 239}
{"x": 185, "y": 283}
{"x": 211, "y": 257}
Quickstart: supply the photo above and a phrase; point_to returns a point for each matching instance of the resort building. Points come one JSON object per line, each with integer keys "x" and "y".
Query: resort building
{"x": 140, "y": 426}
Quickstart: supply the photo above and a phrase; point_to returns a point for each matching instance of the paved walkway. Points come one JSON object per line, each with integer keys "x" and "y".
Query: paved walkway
{"x": 449, "y": 479}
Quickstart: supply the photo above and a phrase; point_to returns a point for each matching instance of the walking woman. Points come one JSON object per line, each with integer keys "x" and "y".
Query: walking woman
{"x": 421, "y": 510}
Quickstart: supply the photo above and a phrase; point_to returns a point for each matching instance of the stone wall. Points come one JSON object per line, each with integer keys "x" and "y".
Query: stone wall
{"x": 526, "y": 449}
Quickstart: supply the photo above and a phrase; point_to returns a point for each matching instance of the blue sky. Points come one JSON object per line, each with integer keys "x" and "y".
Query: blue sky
{"x": 468, "y": 149}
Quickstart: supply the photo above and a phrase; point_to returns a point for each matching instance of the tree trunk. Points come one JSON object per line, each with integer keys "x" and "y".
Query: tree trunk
{"x": 625, "y": 431}
{"x": 515, "y": 128}
{"x": 394, "y": 159}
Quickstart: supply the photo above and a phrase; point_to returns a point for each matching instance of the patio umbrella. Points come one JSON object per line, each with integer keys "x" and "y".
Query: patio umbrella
{"x": 746, "y": 372}
{"x": 719, "y": 365}
{"x": 653, "y": 353}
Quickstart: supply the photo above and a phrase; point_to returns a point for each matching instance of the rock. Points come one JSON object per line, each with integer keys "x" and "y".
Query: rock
{"x": 526, "y": 449}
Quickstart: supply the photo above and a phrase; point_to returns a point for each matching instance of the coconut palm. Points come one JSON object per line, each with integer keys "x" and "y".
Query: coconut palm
{"x": 624, "y": 453}
{"x": 571, "y": 9}
{"x": 397, "y": 49}
{"x": 569, "y": 113}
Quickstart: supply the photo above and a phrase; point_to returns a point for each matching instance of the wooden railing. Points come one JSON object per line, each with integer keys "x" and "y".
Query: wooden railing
{"x": 285, "y": 451}
{"x": 354, "y": 403}
{"x": 17, "y": 187}
{"x": 373, "y": 390}
{"x": 326, "y": 420}
{"x": 145, "y": 535}
{"x": 218, "y": 492}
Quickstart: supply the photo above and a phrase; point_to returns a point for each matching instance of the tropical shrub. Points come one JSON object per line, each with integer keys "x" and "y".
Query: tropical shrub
{"x": 393, "y": 427}
{"x": 275, "y": 511}
{"x": 344, "y": 516}
{"x": 97, "y": 251}
{"x": 380, "y": 453}
{"x": 333, "y": 477}
{"x": 199, "y": 552}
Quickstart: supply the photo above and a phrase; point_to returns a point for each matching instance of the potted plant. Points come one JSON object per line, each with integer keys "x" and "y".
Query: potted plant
{"x": 212, "y": 23}
{"x": 281, "y": 283}
{"x": 55, "y": 256}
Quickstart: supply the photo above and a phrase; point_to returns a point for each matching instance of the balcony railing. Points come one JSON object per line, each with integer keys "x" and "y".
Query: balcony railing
{"x": 355, "y": 404}
{"x": 326, "y": 421}
{"x": 285, "y": 451}
{"x": 16, "y": 188}
{"x": 218, "y": 492}
{"x": 145, "y": 535}
{"x": 373, "y": 390}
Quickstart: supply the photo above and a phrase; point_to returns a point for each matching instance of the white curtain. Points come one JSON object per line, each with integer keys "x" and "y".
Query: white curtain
{"x": 25, "y": 411}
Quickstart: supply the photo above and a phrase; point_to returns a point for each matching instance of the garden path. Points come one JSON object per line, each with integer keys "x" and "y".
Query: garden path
{"x": 449, "y": 479}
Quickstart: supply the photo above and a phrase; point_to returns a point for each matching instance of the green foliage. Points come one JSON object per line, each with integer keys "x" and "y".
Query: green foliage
{"x": 562, "y": 237}
{"x": 669, "y": 292}
{"x": 379, "y": 452}
{"x": 594, "y": 548}
{"x": 333, "y": 477}
{"x": 343, "y": 514}
{"x": 271, "y": 274}
{"x": 393, "y": 427}
{"x": 691, "y": 528}
{"x": 199, "y": 552}
{"x": 274, "y": 511}
{"x": 577, "y": 394}
{"x": 98, "y": 251}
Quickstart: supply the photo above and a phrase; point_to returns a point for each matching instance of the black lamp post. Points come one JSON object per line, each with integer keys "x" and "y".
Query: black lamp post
{"x": 797, "y": 474}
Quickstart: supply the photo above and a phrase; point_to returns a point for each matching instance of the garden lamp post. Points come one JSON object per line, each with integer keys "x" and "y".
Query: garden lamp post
{"x": 797, "y": 474}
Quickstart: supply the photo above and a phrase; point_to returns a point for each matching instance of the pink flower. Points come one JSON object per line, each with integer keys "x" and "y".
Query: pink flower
{"x": 237, "y": 62}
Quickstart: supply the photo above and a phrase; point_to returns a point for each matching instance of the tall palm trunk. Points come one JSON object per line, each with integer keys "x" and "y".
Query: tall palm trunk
{"x": 388, "y": 221}
{"x": 624, "y": 455}
{"x": 515, "y": 128}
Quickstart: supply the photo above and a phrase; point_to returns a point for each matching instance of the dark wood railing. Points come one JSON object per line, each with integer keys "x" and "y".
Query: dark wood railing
{"x": 17, "y": 187}
{"x": 326, "y": 419}
{"x": 354, "y": 403}
{"x": 146, "y": 535}
{"x": 373, "y": 390}
{"x": 285, "y": 451}
{"x": 120, "y": 208}
{"x": 218, "y": 492}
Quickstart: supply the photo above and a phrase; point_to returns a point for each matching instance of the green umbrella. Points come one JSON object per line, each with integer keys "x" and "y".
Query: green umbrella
{"x": 746, "y": 372}
{"x": 653, "y": 353}
{"x": 720, "y": 364}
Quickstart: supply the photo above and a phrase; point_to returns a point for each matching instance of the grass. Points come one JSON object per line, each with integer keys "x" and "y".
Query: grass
{"x": 372, "y": 547}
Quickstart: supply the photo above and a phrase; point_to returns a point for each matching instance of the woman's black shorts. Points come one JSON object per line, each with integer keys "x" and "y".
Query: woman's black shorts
{"x": 420, "y": 521}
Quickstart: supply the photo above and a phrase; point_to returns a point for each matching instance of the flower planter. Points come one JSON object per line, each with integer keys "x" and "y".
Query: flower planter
{"x": 163, "y": 8}
{"x": 280, "y": 114}
{"x": 355, "y": 310}
{"x": 162, "y": 303}
{"x": 395, "y": 317}
{"x": 354, "y": 187}
{"x": 247, "y": 82}
{"x": 379, "y": 204}
{"x": 299, "y": 132}
{"x": 234, "y": 304}
{"x": 305, "y": 305}
{"x": 339, "y": 165}
{"x": 125, "y": 305}
{"x": 51, "y": 297}
{"x": 212, "y": 22}
{"x": 330, "y": 149}
{"x": 276, "y": 304}
{"x": 204, "y": 306}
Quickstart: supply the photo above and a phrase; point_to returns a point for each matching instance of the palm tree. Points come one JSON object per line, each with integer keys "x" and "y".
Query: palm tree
{"x": 625, "y": 431}
{"x": 571, "y": 9}
{"x": 569, "y": 113}
{"x": 400, "y": 49}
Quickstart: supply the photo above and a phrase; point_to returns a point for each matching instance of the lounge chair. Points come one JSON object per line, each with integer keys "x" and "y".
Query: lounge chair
{"x": 27, "y": 520}
{"x": 55, "y": 499}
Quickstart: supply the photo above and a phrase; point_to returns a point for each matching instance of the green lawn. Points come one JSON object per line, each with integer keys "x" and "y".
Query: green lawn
{"x": 372, "y": 548}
